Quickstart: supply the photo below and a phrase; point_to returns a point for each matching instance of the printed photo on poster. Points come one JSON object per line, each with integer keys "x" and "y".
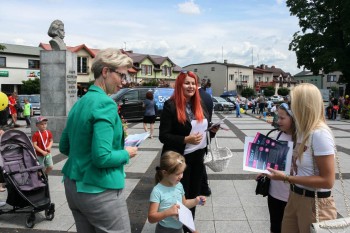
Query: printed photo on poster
{"x": 261, "y": 152}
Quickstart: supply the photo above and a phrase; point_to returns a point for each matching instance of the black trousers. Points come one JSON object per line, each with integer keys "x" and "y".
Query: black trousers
{"x": 192, "y": 178}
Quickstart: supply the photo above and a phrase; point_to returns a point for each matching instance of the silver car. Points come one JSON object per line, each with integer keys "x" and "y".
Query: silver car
{"x": 34, "y": 100}
{"x": 220, "y": 104}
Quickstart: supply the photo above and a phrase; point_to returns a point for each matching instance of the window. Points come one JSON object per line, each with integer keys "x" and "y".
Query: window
{"x": 213, "y": 69}
{"x": 82, "y": 65}
{"x": 33, "y": 64}
{"x": 2, "y": 61}
{"x": 331, "y": 78}
{"x": 245, "y": 78}
{"x": 195, "y": 70}
{"x": 232, "y": 76}
{"x": 146, "y": 69}
{"x": 166, "y": 70}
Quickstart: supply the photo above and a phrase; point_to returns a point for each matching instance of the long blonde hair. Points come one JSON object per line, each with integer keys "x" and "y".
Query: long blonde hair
{"x": 309, "y": 112}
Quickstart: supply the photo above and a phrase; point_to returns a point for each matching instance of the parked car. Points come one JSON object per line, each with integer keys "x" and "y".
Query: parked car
{"x": 243, "y": 103}
{"x": 220, "y": 104}
{"x": 276, "y": 98}
{"x": 130, "y": 100}
{"x": 34, "y": 100}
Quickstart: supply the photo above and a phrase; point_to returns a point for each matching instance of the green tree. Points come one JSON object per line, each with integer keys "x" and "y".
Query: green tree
{"x": 31, "y": 86}
{"x": 2, "y": 47}
{"x": 269, "y": 91}
{"x": 283, "y": 91}
{"x": 324, "y": 43}
{"x": 248, "y": 92}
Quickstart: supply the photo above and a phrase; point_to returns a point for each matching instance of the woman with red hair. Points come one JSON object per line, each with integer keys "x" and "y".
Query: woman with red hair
{"x": 183, "y": 123}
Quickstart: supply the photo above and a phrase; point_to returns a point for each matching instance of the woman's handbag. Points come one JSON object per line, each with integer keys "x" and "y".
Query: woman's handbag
{"x": 262, "y": 186}
{"x": 335, "y": 225}
{"x": 217, "y": 158}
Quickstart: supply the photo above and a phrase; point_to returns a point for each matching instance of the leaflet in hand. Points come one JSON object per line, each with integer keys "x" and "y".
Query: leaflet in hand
{"x": 216, "y": 124}
{"x": 185, "y": 216}
{"x": 136, "y": 139}
{"x": 262, "y": 152}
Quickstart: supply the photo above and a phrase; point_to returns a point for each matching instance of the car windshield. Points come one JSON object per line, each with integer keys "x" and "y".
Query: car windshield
{"x": 31, "y": 98}
{"x": 219, "y": 99}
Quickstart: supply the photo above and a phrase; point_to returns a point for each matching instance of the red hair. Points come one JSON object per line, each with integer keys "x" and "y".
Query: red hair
{"x": 180, "y": 99}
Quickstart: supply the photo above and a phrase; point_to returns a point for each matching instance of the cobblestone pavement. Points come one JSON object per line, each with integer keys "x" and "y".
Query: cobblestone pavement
{"x": 232, "y": 207}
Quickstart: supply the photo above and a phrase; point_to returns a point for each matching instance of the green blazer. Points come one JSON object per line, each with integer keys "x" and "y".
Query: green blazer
{"x": 93, "y": 140}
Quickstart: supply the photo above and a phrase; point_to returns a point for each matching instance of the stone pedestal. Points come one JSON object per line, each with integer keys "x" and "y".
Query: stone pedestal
{"x": 58, "y": 88}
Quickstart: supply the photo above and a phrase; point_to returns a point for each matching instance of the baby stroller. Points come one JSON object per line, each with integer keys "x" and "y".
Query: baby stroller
{"x": 26, "y": 183}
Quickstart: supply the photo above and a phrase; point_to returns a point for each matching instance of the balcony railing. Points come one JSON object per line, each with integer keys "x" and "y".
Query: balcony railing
{"x": 264, "y": 84}
{"x": 241, "y": 83}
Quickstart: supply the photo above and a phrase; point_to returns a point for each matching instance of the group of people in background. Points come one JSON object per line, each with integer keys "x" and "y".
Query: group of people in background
{"x": 339, "y": 106}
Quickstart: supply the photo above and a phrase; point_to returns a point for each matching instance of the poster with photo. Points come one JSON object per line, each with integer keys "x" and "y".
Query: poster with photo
{"x": 267, "y": 153}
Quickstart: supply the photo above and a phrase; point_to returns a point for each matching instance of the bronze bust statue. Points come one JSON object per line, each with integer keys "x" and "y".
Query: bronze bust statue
{"x": 56, "y": 31}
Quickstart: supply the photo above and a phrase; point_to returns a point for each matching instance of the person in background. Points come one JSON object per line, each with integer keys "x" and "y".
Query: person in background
{"x": 208, "y": 102}
{"x": 149, "y": 116}
{"x": 27, "y": 112}
{"x": 93, "y": 140}
{"x": 42, "y": 141}
{"x": 168, "y": 191}
{"x": 261, "y": 102}
{"x": 238, "y": 107}
{"x": 12, "y": 109}
{"x": 253, "y": 104}
{"x": 314, "y": 161}
{"x": 182, "y": 129}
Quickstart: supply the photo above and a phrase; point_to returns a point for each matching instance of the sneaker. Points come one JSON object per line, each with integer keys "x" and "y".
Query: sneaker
{"x": 2, "y": 203}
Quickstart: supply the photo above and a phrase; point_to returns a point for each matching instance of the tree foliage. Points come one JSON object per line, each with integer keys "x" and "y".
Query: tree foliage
{"x": 31, "y": 86}
{"x": 283, "y": 91}
{"x": 324, "y": 40}
{"x": 269, "y": 91}
{"x": 248, "y": 92}
{"x": 2, "y": 47}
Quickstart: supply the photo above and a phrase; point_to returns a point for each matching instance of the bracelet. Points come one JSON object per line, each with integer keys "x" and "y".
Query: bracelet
{"x": 286, "y": 179}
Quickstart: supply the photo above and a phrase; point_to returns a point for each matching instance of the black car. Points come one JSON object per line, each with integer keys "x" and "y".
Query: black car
{"x": 130, "y": 100}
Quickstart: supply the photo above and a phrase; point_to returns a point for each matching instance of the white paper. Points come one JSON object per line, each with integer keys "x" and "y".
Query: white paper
{"x": 136, "y": 139}
{"x": 252, "y": 169}
{"x": 185, "y": 216}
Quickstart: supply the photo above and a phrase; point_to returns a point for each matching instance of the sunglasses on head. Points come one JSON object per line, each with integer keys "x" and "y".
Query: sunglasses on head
{"x": 285, "y": 107}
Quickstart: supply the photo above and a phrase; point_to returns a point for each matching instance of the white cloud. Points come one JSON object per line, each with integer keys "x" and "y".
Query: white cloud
{"x": 190, "y": 8}
{"x": 280, "y": 2}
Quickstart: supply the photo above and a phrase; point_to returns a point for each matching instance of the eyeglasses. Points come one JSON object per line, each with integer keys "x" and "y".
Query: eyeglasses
{"x": 122, "y": 75}
{"x": 285, "y": 107}
{"x": 189, "y": 73}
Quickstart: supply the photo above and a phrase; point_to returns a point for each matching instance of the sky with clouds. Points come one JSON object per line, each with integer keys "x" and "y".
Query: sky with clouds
{"x": 187, "y": 31}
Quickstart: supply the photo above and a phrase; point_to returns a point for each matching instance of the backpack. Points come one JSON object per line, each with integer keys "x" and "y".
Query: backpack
{"x": 19, "y": 108}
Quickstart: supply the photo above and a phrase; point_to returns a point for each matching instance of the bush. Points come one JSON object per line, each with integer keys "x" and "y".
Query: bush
{"x": 269, "y": 91}
{"x": 248, "y": 92}
{"x": 31, "y": 86}
{"x": 283, "y": 91}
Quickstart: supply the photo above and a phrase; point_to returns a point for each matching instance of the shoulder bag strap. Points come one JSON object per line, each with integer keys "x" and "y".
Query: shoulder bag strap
{"x": 42, "y": 139}
{"x": 340, "y": 178}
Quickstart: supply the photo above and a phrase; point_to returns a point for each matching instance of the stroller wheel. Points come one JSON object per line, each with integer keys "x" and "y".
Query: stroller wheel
{"x": 50, "y": 212}
{"x": 30, "y": 220}
{"x": 49, "y": 215}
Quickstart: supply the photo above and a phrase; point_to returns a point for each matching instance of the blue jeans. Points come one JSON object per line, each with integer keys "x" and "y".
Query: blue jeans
{"x": 238, "y": 109}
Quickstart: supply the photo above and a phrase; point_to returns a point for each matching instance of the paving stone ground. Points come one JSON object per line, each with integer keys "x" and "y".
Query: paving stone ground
{"x": 232, "y": 207}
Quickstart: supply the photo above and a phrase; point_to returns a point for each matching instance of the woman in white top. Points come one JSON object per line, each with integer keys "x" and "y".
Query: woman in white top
{"x": 314, "y": 161}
